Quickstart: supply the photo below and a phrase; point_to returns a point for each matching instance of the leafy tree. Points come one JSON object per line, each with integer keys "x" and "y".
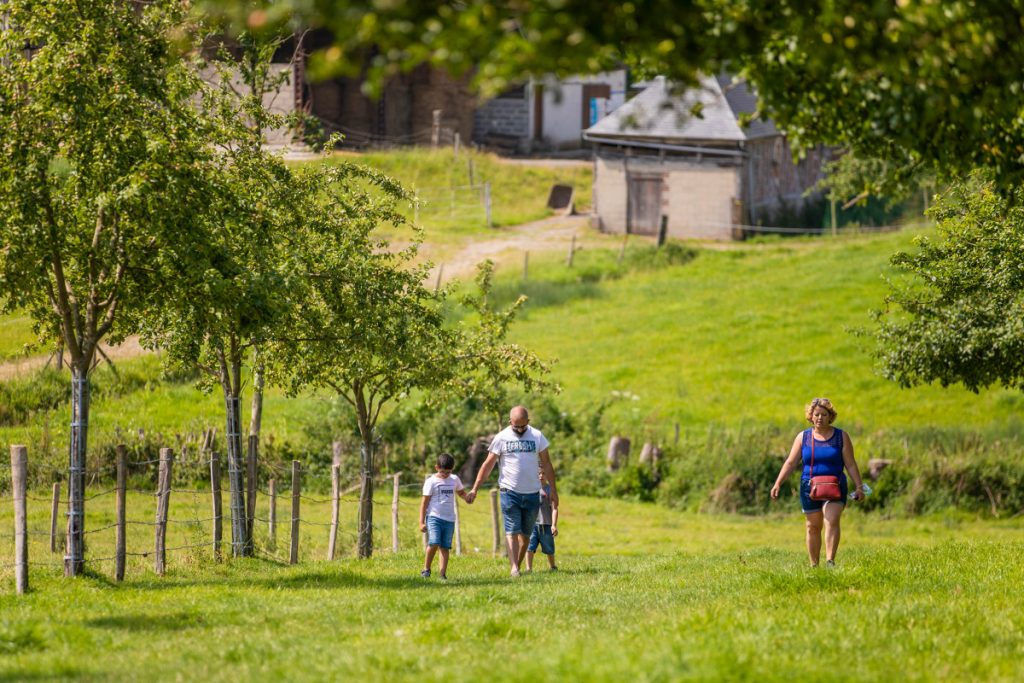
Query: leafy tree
{"x": 955, "y": 315}
{"x": 934, "y": 83}
{"x": 103, "y": 162}
{"x": 369, "y": 330}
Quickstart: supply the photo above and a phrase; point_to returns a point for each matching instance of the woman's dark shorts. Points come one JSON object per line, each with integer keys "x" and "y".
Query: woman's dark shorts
{"x": 808, "y": 505}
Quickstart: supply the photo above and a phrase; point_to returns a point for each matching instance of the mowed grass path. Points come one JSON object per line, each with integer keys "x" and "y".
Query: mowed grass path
{"x": 644, "y": 593}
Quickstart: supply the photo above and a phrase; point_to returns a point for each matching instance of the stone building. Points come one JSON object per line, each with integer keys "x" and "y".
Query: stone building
{"x": 706, "y": 175}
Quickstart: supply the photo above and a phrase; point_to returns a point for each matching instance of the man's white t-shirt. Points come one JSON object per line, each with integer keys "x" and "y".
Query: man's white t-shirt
{"x": 518, "y": 459}
{"x": 442, "y": 495}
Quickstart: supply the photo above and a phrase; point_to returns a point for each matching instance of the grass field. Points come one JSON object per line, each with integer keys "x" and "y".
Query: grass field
{"x": 742, "y": 335}
{"x": 15, "y": 334}
{"x": 452, "y": 210}
{"x": 644, "y": 593}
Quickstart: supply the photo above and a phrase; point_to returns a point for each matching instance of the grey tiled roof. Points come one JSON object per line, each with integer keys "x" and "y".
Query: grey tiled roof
{"x": 658, "y": 114}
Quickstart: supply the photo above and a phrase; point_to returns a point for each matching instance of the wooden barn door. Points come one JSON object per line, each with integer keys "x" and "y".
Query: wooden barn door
{"x": 644, "y": 204}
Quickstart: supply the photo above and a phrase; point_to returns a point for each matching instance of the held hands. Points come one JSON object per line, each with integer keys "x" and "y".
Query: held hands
{"x": 470, "y": 496}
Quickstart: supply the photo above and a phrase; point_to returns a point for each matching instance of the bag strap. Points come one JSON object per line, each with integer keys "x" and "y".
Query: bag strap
{"x": 811, "y": 475}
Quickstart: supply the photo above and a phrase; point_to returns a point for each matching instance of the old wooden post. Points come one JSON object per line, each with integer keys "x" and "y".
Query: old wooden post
{"x": 121, "y": 486}
{"x": 54, "y": 511}
{"x": 440, "y": 272}
{"x": 469, "y": 163}
{"x": 455, "y": 146}
{"x": 526, "y": 266}
{"x": 293, "y": 557}
{"x": 435, "y": 128}
{"x": 833, "y": 217}
{"x": 335, "y": 510}
{"x": 218, "y": 514}
{"x": 19, "y": 474}
{"x": 272, "y": 516}
{"x": 572, "y": 251}
{"x": 163, "y": 502}
{"x": 394, "y": 516}
{"x": 622, "y": 249}
{"x": 663, "y": 230}
{"x": 487, "y": 203}
{"x": 458, "y": 529}
{"x": 494, "y": 522}
{"x": 250, "y": 496}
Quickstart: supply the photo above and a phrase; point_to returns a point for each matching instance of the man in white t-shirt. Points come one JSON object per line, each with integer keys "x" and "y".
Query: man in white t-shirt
{"x": 522, "y": 452}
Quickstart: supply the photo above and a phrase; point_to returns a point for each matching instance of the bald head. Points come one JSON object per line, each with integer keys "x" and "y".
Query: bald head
{"x": 518, "y": 414}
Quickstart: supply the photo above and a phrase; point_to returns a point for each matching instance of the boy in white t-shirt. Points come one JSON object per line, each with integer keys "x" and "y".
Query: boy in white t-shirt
{"x": 437, "y": 512}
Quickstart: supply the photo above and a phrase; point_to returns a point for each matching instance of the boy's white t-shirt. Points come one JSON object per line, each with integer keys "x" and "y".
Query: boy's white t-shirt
{"x": 518, "y": 459}
{"x": 442, "y": 495}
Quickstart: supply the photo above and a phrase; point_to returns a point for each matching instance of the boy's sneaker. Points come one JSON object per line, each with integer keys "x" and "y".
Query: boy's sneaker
{"x": 830, "y": 564}
{"x": 425, "y": 573}
{"x": 514, "y": 574}
{"x": 443, "y": 577}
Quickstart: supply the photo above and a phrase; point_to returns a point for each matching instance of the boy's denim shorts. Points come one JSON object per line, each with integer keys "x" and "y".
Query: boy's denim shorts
{"x": 440, "y": 532}
{"x": 520, "y": 511}
{"x": 808, "y": 505}
{"x": 542, "y": 536}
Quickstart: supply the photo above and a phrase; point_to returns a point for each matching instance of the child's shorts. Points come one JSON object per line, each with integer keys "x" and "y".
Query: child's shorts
{"x": 440, "y": 532}
{"x": 542, "y": 535}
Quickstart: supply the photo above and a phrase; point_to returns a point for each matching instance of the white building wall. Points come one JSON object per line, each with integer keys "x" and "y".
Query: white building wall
{"x": 563, "y": 105}
{"x": 698, "y": 198}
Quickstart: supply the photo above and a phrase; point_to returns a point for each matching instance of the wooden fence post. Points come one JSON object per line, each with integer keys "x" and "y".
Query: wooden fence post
{"x": 54, "y": 511}
{"x": 494, "y": 522}
{"x": 572, "y": 251}
{"x": 121, "y": 487}
{"x": 487, "y": 203}
{"x": 163, "y": 502}
{"x": 458, "y": 529}
{"x": 218, "y": 510}
{"x": 435, "y": 128}
{"x": 526, "y": 266}
{"x": 250, "y": 498}
{"x": 293, "y": 557}
{"x": 394, "y": 516}
{"x": 272, "y": 516}
{"x": 19, "y": 473}
{"x": 335, "y": 510}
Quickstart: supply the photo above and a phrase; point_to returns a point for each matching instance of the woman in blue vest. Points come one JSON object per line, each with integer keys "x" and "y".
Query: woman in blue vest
{"x": 828, "y": 451}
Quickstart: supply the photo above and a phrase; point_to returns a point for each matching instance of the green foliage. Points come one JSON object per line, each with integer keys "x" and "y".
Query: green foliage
{"x": 955, "y": 315}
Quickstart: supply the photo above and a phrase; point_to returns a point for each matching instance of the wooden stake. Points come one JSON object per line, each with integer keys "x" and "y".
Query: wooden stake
{"x": 494, "y": 522}
{"x": 572, "y": 252}
{"x": 526, "y": 266}
{"x": 440, "y": 272}
{"x": 55, "y": 507}
{"x": 272, "y": 516}
{"x": 19, "y": 473}
{"x": 394, "y": 517}
{"x": 622, "y": 250}
{"x": 487, "y": 203}
{"x": 458, "y": 529}
{"x": 456, "y": 145}
{"x": 120, "y": 542}
{"x": 218, "y": 510}
{"x": 435, "y": 128}
{"x": 250, "y": 496}
{"x": 335, "y": 510}
{"x": 163, "y": 503}
{"x": 293, "y": 557}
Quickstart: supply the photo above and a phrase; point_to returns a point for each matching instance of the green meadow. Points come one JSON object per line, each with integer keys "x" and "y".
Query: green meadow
{"x": 643, "y": 593}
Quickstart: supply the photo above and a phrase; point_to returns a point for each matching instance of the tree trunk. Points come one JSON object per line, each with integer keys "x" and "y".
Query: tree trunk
{"x": 256, "y": 417}
{"x": 76, "y": 466}
{"x": 366, "y": 496}
{"x": 236, "y": 476}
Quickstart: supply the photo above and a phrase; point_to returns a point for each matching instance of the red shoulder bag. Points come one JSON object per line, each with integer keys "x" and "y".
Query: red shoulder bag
{"x": 824, "y": 487}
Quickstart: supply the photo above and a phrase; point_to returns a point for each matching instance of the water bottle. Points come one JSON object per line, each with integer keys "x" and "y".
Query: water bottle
{"x": 864, "y": 488}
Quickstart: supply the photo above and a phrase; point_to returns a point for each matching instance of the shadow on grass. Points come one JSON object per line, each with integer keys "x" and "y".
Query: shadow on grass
{"x": 148, "y": 622}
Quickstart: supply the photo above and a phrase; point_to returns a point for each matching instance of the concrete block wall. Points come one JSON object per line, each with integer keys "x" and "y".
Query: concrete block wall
{"x": 506, "y": 116}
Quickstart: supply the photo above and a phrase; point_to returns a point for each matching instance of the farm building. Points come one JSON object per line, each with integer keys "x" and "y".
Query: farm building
{"x": 707, "y": 175}
{"x": 548, "y": 113}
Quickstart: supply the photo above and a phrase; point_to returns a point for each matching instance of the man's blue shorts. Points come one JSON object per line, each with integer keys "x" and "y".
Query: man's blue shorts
{"x": 808, "y": 505}
{"x": 542, "y": 536}
{"x": 520, "y": 511}
{"x": 440, "y": 532}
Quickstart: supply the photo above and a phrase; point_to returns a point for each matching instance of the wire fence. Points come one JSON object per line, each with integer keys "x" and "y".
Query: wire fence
{"x": 172, "y": 527}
